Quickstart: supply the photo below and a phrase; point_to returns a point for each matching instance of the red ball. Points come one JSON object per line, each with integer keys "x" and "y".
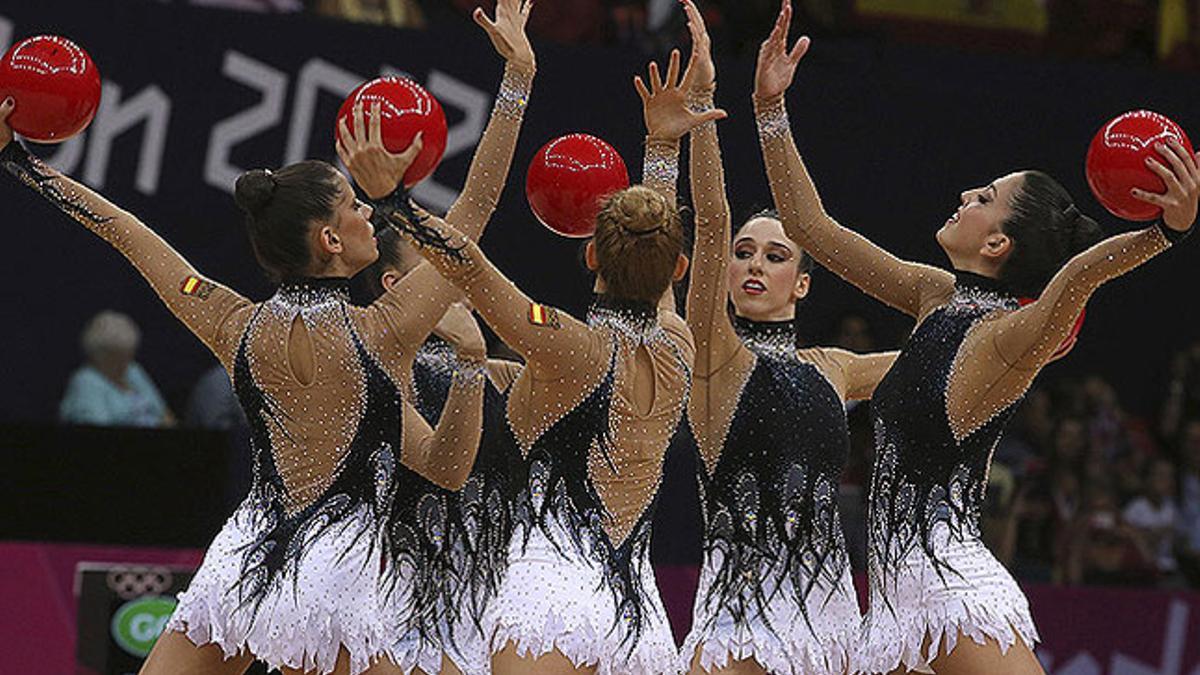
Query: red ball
{"x": 569, "y": 178}
{"x": 1116, "y": 161}
{"x": 1068, "y": 342}
{"x": 405, "y": 108}
{"x": 55, "y": 85}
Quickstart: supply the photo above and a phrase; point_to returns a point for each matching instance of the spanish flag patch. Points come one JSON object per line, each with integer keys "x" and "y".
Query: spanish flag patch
{"x": 541, "y": 315}
{"x": 197, "y": 287}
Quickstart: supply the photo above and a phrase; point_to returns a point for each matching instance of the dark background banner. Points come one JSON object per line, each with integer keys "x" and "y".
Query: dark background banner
{"x": 192, "y": 97}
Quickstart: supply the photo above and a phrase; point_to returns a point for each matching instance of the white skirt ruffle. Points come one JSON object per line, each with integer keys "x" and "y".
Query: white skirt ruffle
{"x": 554, "y": 598}
{"x": 781, "y": 641}
{"x": 976, "y": 597}
{"x": 466, "y": 648}
{"x": 329, "y": 601}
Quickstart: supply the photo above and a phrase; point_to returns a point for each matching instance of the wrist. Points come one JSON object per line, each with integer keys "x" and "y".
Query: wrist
{"x": 767, "y": 102}
{"x": 526, "y": 65}
{"x": 513, "y": 96}
{"x": 770, "y": 116}
{"x": 659, "y": 140}
{"x": 1172, "y": 235}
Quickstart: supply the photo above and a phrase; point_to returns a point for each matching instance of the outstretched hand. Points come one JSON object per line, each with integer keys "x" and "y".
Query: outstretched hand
{"x": 507, "y": 31}
{"x": 6, "y": 132}
{"x": 377, "y": 171}
{"x": 704, "y": 73}
{"x": 664, "y": 103}
{"x": 776, "y": 65}
{"x": 1183, "y": 185}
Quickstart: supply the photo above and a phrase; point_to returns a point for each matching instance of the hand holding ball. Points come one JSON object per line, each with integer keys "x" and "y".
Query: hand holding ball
{"x": 55, "y": 85}
{"x": 406, "y": 108}
{"x": 1116, "y": 161}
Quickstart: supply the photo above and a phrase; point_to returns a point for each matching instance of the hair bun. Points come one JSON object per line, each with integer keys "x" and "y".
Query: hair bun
{"x": 254, "y": 190}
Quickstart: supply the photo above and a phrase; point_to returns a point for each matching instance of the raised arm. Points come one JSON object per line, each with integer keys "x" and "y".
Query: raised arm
{"x": 209, "y": 310}
{"x": 1003, "y": 355}
{"x": 416, "y": 304}
{"x": 906, "y": 286}
{"x": 668, "y": 118}
{"x": 552, "y": 342}
{"x": 1028, "y": 337}
{"x": 716, "y": 341}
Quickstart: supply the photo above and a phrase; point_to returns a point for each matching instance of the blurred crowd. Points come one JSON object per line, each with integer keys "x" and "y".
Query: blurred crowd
{"x": 1165, "y": 32}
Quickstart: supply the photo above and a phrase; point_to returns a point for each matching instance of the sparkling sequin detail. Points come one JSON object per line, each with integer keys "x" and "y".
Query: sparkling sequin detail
{"x": 661, "y": 164}
{"x": 770, "y": 502}
{"x": 292, "y": 503}
{"x": 924, "y": 475}
{"x": 466, "y": 567}
{"x": 514, "y": 93}
{"x": 562, "y": 489}
{"x": 35, "y": 174}
{"x": 772, "y": 120}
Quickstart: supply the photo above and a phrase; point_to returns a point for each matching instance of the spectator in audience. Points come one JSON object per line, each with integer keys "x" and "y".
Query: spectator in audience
{"x": 1183, "y": 392}
{"x": 1025, "y": 441}
{"x": 1155, "y": 516}
{"x": 854, "y": 333}
{"x": 112, "y": 389}
{"x": 213, "y": 404}
{"x": 1099, "y": 548}
{"x": 1033, "y": 526}
{"x": 1189, "y": 501}
{"x": 1070, "y": 442}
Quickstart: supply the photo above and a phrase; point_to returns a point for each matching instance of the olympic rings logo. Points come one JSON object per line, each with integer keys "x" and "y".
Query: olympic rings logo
{"x": 134, "y": 582}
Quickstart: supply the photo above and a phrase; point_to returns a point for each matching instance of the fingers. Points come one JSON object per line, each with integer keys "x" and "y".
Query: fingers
{"x": 6, "y": 108}
{"x": 484, "y": 22}
{"x": 374, "y": 133}
{"x": 345, "y": 138}
{"x": 711, "y": 116}
{"x": 673, "y": 69}
{"x": 690, "y": 73}
{"x": 410, "y": 153}
{"x": 360, "y": 125}
{"x": 640, "y": 86}
{"x": 1169, "y": 177}
{"x": 656, "y": 84}
{"x": 342, "y": 153}
{"x": 782, "y": 23}
{"x": 1149, "y": 197}
{"x": 695, "y": 21}
{"x": 1173, "y": 156}
{"x": 1188, "y": 159}
{"x": 799, "y": 50}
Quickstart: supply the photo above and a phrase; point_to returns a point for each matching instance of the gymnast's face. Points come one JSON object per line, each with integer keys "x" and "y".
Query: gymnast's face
{"x": 351, "y": 237}
{"x": 765, "y": 280}
{"x": 973, "y": 237}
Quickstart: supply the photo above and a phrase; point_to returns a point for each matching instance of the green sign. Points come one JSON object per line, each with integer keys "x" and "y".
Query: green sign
{"x": 138, "y": 623}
